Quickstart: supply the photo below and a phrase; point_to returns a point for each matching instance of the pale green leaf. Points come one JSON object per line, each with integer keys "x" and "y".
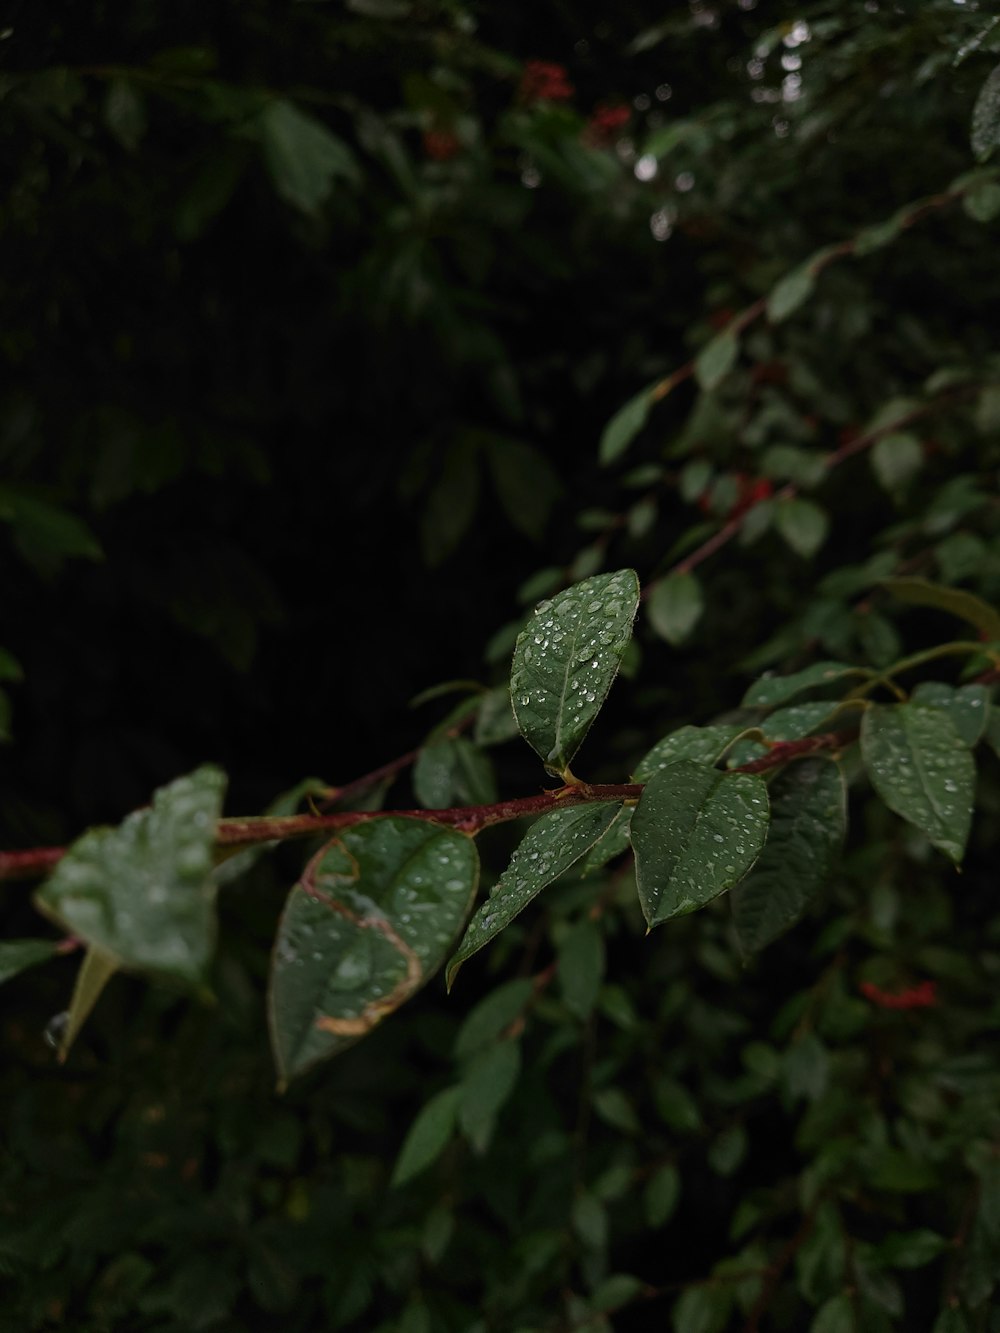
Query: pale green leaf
{"x": 675, "y": 607}
{"x": 18, "y": 955}
{"x": 808, "y": 823}
{"x": 985, "y": 132}
{"x": 303, "y": 157}
{"x": 695, "y": 833}
{"x": 788, "y": 294}
{"x": 702, "y": 1309}
{"x": 896, "y": 459}
{"x": 624, "y": 426}
{"x": 966, "y": 605}
{"x": 372, "y": 917}
{"x": 95, "y": 972}
{"x": 835, "y": 1316}
{"x": 982, "y": 201}
{"x": 142, "y": 892}
{"x": 428, "y": 1136}
{"x": 553, "y": 843}
{"x": 968, "y": 706}
{"x": 716, "y": 359}
{"x": 566, "y": 659}
{"x": 803, "y": 525}
{"x": 772, "y": 690}
{"x": 920, "y": 767}
{"x": 495, "y": 720}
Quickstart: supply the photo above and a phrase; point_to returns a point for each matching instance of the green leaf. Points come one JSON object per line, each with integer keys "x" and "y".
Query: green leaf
{"x": 695, "y": 832}
{"x": 580, "y": 967}
{"x": 966, "y": 605}
{"x": 835, "y": 1316}
{"x": 662, "y": 1194}
{"x": 451, "y": 504}
{"x": 95, "y": 972}
{"x": 968, "y": 707}
{"x": 125, "y": 113}
{"x": 10, "y": 667}
{"x": 45, "y": 534}
{"x": 302, "y": 156}
{"x": 772, "y": 690}
{"x": 428, "y": 1136}
{"x": 526, "y": 484}
{"x": 727, "y": 1151}
{"x": 911, "y": 1249}
{"x": 808, "y": 824}
{"x": 492, "y": 1015}
{"x": 702, "y": 745}
{"x": 625, "y": 425}
{"x": 675, "y": 607}
{"x": 920, "y": 767}
{"x": 142, "y": 892}
{"x": 716, "y": 359}
{"x": 896, "y": 459}
{"x": 702, "y": 1309}
{"x": 803, "y": 525}
{"x": 18, "y": 955}
{"x": 486, "y": 1084}
{"x": 611, "y": 843}
{"x": 791, "y": 724}
{"x": 787, "y": 295}
{"x": 981, "y": 202}
{"x": 453, "y": 772}
{"x": 372, "y": 917}
{"x": 495, "y": 720}
{"x": 566, "y": 659}
{"x": 553, "y": 843}
{"x": 985, "y": 132}
{"x": 590, "y": 1221}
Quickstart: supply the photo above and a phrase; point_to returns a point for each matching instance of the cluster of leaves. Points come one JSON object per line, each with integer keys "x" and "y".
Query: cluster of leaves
{"x": 599, "y": 1122}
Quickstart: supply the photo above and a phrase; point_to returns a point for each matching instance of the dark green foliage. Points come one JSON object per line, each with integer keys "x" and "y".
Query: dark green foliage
{"x": 356, "y": 348}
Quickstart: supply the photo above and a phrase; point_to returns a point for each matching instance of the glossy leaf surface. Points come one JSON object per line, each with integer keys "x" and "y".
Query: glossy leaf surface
{"x": 695, "y": 832}
{"x": 372, "y": 917}
{"x": 142, "y": 891}
{"x": 968, "y": 706}
{"x": 702, "y": 745}
{"x": 566, "y": 659}
{"x": 772, "y": 690}
{"x": 921, "y": 768}
{"x": 808, "y": 823}
{"x": 553, "y": 843}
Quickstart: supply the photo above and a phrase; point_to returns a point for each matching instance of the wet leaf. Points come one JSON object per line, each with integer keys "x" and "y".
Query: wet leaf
{"x": 968, "y": 706}
{"x": 372, "y": 917}
{"x": 772, "y": 690}
{"x": 702, "y": 745}
{"x": 613, "y": 842}
{"x": 565, "y": 662}
{"x": 985, "y": 133}
{"x": 808, "y": 823}
{"x": 452, "y": 772}
{"x": 495, "y": 720}
{"x": 142, "y": 892}
{"x": 18, "y": 955}
{"x": 695, "y": 833}
{"x": 553, "y": 843}
{"x": 675, "y": 607}
{"x": 921, "y": 768}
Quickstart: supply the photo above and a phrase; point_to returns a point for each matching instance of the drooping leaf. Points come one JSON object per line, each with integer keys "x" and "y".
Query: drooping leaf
{"x": 985, "y": 132}
{"x": 921, "y": 768}
{"x": 968, "y": 706}
{"x": 791, "y": 292}
{"x": 613, "y": 842}
{"x": 95, "y": 972}
{"x": 428, "y": 1136}
{"x": 371, "y": 919}
{"x": 695, "y": 833}
{"x": 896, "y": 459}
{"x": 580, "y": 964}
{"x": 808, "y": 823}
{"x": 18, "y": 955}
{"x": 624, "y": 426}
{"x": 716, "y": 359}
{"x": 142, "y": 892}
{"x": 453, "y": 771}
{"x": 702, "y": 745}
{"x": 566, "y": 659}
{"x": 487, "y": 1082}
{"x": 966, "y": 605}
{"x": 303, "y": 157}
{"x": 772, "y": 690}
{"x": 803, "y": 525}
{"x": 675, "y": 607}
{"x": 553, "y": 843}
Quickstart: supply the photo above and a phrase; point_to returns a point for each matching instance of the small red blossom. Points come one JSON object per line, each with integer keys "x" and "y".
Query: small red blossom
{"x": 544, "y": 82}
{"x": 441, "y": 145}
{"x": 921, "y": 996}
{"x": 605, "y": 124}
{"x": 750, "y": 491}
